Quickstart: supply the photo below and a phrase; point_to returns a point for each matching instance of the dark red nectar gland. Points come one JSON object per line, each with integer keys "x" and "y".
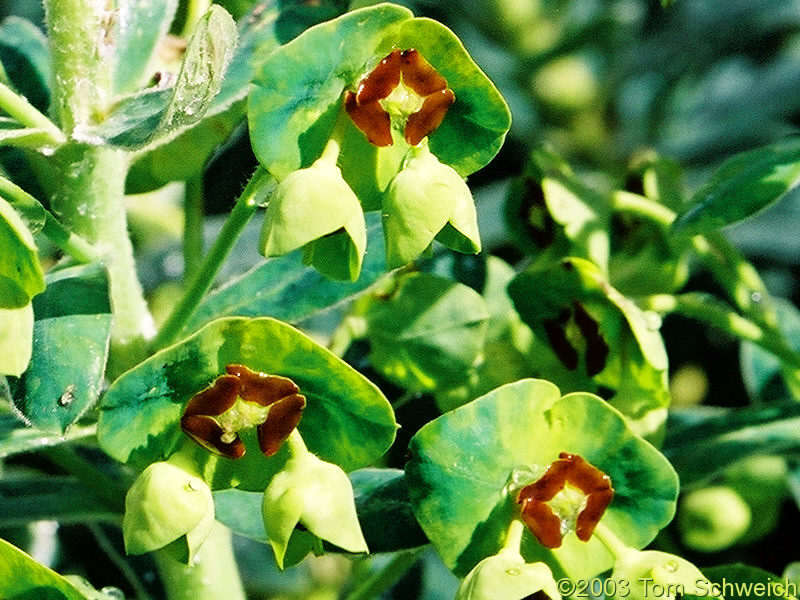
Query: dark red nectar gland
{"x": 239, "y": 399}
{"x": 569, "y": 470}
{"x": 403, "y": 84}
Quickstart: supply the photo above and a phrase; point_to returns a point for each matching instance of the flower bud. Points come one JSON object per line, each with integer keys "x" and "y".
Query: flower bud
{"x": 645, "y": 574}
{"x": 164, "y": 504}
{"x": 506, "y": 576}
{"x": 314, "y": 208}
{"x": 317, "y": 495}
{"x": 713, "y": 518}
{"x": 428, "y": 199}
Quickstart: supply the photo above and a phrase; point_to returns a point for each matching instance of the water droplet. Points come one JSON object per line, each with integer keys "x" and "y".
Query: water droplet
{"x": 756, "y": 297}
{"x": 652, "y": 320}
{"x": 671, "y": 566}
{"x": 68, "y": 397}
{"x": 112, "y": 593}
{"x": 513, "y": 571}
{"x": 193, "y": 485}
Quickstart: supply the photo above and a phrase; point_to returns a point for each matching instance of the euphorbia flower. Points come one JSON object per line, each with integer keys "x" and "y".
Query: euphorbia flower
{"x": 404, "y": 88}
{"x": 317, "y": 495}
{"x": 428, "y": 199}
{"x": 315, "y": 209}
{"x": 164, "y": 504}
{"x": 545, "y": 514}
{"x": 243, "y": 398}
{"x": 506, "y": 576}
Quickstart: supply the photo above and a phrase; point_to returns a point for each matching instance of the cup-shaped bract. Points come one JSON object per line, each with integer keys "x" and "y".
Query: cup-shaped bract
{"x": 642, "y": 574}
{"x": 316, "y": 494}
{"x": 165, "y": 504}
{"x": 428, "y": 199}
{"x": 314, "y": 208}
{"x": 506, "y": 576}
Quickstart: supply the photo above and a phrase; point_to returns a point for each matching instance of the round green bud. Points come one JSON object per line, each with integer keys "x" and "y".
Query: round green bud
{"x": 713, "y": 518}
{"x": 506, "y": 576}
{"x": 317, "y": 495}
{"x": 641, "y": 575}
{"x": 164, "y": 504}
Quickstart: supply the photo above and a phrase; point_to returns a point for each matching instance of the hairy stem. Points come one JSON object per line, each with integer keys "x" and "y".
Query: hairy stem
{"x": 242, "y": 212}
{"x": 23, "y": 111}
{"x": 213, "y": 576}
{"x": 192, "y": 227}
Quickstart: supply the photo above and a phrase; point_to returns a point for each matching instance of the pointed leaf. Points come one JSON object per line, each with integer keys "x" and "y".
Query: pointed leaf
{"x": 25, "y": 56}
{"x": 742, "y": 186}
{"x": 23, "y": 577}
{"x": 71, "y": 336}
{"x": 139, "y": 26}
{"x": 21, "y": 275}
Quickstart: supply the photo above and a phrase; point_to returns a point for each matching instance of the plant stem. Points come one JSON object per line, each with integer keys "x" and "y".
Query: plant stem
{"x": 90, "y": 202}
{"x": 194, "y": 10}
{"x": 708, "y": 309}
{"x": 244, "y": 209}
{"x": 385, "y": 577}
{"x": 192, "y": 227}
{"x": 23, "y": 111}
{"x": 213, "y": 576}
{"x": 613, "y": 544}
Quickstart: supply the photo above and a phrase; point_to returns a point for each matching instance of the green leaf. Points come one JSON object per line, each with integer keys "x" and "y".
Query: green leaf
{"x": 742, "y": 186}
{"x": 294, "y": 102}
{"x": 382, "y": 504}
{"x": 463, "y": 462}
{"x": 763, "y": 374}
{"x": 26, "y": 499}
{"x": 284, "y": 289}
{"x": 599, "y": 336}
{"x": 21, "y": 578}
{"x": 16, "y": 437}
{"x": 71, "y": 337}
{"x": 347, "y": 420}
{"x": 25, "y": 57}
{"x": 156, "y": 113}
{"x": 28, "y": 207}
{"x": 16, "y": 339}
{"x": 743, "y": 582}
{"x": 701, "y": 445}
{"x": 426, "y": 332}
{"x": 139, "y": 26}
{"x": 21, "y": 276}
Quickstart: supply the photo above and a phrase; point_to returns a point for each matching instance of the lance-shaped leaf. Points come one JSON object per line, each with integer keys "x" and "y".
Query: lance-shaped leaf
{"x": 21, "y": 276}
{"x": 71, "y": 336}
{"x": 347, "y": 420}
{"x": 467, "y": 466}
{"x": 22, "y": 577}
{"x": 599, "y": 336}
{"x": 314, "y": 208}
{"x": 427, "y": 200}
{"x": 289, "y": 126}
{"x": 742, "y": 186}
{"x": 138, "y": 27}
{"x": 25, "y": 57}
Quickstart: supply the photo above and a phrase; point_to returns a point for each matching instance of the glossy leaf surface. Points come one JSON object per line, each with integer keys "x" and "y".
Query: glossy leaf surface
{"x": 289, "y": 125}
{"x": 463, "y": 461}
{"x": 21, "y": 276}
{"x": 743, "y": 185}
{"x": 599, "y": 336}
{"x": 427, "y": 332}
{"x": 71, "y": 336}
{"x": 346, "y": 421}
{"x": 26, "y": 60}
{"x": 22, "y": 577}
{"x": 285, "y": 289}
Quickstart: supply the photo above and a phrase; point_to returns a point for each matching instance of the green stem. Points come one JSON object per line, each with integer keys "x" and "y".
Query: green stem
{"x": 194, "y": 10}
{"x": 514, "y": 537}
{"x": 385, "y": 577}
{"x": 23, "y": 111}
{"x": 193, "y": 227}
{"x": 213, "y": 576}
{"x": 244, "y": 209}
{"x": 69, "y": 242}
{"x": 119, "y": 561}
{"x": 111, "y": 492}
{"x": 613, "y": 544}
{"x": 708, "y": 309}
